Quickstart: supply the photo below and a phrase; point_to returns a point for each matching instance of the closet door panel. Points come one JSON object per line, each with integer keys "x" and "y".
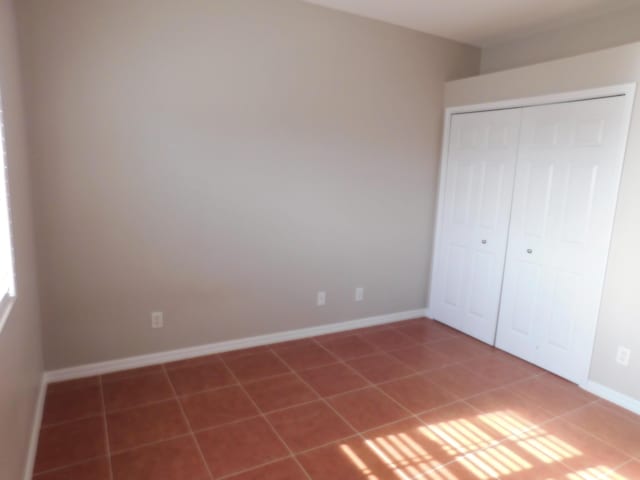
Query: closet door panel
{"x": 524, "y": 275}
{"x": 471, "y": 241}
{"x": 569, "y": 167}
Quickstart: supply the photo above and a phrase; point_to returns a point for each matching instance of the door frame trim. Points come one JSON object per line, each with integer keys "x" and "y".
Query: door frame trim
{"x": 626, "y": 89}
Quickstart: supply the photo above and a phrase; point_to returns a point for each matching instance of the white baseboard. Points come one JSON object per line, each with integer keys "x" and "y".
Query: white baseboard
{"x": 35, "y": 430}
{"x": 218, "y": 347}
{"x": 613, "y": 396}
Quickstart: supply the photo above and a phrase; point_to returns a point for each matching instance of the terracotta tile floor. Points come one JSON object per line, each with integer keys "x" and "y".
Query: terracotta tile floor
{"x": 411, "y": 400}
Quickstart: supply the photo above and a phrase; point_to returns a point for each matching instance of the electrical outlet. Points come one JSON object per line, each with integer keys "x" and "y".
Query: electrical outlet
{"x": 359, "y": 294}
{"x": 623, "y": 356}
{"x": 322, "y": 299}
{"x": 157, "y": 320}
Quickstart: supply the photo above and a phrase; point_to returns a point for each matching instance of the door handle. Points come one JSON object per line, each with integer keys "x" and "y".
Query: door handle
{"x": 484, "y": 242}
{"x": 529, "y": 251}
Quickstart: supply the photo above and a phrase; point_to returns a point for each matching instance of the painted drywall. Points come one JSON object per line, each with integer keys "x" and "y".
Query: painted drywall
{"x": 616, "y": 28}
{"x": 619, "y": 320}
{"x": 224, "y": 160}
{"x": 20, "y": 347}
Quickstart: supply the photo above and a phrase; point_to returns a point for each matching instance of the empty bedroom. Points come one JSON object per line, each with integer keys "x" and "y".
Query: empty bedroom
{"x": 319, "y": 240}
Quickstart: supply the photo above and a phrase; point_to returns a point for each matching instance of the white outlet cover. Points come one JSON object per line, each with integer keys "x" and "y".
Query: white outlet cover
{"x": 157, "y": 320}
{"x": 623, "y": 356}
{"x": 359, "y": 294}
{"x": 321, "y": 299}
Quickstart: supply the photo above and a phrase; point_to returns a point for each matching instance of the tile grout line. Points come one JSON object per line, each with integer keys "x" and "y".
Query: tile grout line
{"x": 69, "y": 465}
{"x": 631, "y": 460}
{"x": 633, "y": 457}
{"x": 613, "y": 408}
{"x": 75, "y": 419}
{"x": 282, "y": 459}
{"x": 588, "y": 433}
{"x": 150, "y": 444}
{"x": 106, "y": 427}
{"x": 266, "y": 420}
{"x": 188, "y": 423}
{"x": 261, "y": 465}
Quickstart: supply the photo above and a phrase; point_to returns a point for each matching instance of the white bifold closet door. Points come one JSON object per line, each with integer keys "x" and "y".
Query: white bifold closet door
{"x": 524, "y": 227}
{"x": 469, "y": 261}
{"x": 566, "y": 186}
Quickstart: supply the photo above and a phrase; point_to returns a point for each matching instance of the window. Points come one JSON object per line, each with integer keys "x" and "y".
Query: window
{"x": 7, "y": 281}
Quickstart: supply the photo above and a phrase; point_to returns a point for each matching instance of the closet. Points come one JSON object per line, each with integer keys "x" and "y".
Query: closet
{"x": 526, "y": 209}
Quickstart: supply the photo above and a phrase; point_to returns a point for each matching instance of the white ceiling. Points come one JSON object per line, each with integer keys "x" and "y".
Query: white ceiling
{"x": 478, "y": 22}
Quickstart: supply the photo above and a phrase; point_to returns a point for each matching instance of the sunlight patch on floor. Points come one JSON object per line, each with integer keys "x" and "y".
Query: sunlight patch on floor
{"x": 596, "y": 473}
{"x": 403, "y": 455}
{"x": 493, "y": 445}
{"x": 366, "y": 471}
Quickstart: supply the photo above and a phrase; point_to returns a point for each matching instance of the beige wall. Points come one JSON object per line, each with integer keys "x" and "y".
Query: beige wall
{"x": 619, "y": 315}
{"x": 224, "y": 160}
{"x": 20, "y": 349}
{"x": 614, "y": 29}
